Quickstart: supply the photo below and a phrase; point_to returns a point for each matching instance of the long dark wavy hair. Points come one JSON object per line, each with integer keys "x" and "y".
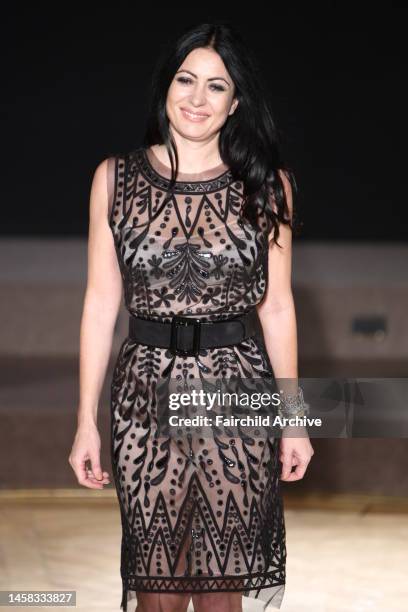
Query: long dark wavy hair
{"x": 249, "y": 141}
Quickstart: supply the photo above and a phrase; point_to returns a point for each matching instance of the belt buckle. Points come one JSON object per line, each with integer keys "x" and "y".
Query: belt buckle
{"x": 180, "y": 321}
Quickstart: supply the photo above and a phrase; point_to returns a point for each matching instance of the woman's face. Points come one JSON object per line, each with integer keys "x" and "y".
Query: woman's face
{"x": 202, "y": 86}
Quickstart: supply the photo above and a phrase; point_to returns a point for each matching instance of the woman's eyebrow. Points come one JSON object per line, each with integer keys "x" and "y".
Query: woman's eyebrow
{"x": 212, "y": 78}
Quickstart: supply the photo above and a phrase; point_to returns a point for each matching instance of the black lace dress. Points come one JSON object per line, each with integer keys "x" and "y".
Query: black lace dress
{"x": 209, "y": 518}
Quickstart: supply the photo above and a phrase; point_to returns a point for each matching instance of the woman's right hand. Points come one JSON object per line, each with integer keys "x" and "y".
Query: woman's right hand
{"x": 86, "y": 447}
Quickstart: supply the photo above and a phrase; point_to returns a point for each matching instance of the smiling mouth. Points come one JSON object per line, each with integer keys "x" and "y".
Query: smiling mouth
{"x": 194, "y": 116}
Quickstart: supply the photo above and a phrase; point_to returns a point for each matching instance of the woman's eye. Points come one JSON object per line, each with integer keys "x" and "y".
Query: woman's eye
{"x": 186, "y": 80}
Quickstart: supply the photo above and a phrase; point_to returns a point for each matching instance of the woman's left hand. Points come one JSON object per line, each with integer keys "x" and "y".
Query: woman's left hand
{"x": 295, "y": 452}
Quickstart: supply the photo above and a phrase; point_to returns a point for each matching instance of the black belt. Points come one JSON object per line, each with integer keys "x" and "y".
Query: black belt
{"x": 185, "y": 335}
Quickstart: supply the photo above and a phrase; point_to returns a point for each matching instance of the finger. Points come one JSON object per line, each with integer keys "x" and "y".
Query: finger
{"x": 290, "y": 478}
{"x": 84, "y": 464}
{"x": 298, "y": 472}
{"x": 86, "y": 482}
{"x": 86, "y": 478}
{"x": 96, "y": 468}
{"x": 286, "y": 467}
{"x": 94, "y": 480}
{"x": 90, "y": 476}
{"x": 79, "y": 467}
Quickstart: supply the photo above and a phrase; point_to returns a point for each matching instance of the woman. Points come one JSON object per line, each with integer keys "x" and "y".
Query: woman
{"x": 195, "y": 248}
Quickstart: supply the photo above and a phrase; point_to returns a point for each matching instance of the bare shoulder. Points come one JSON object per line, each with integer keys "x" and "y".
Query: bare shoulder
{"x": 99, "y": 195}
{"x": 103, "y": 176}
{"x": 100, "y": 174}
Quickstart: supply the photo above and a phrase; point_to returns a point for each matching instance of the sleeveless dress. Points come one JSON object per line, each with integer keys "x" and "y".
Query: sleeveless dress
{"x": 208, "y": 518}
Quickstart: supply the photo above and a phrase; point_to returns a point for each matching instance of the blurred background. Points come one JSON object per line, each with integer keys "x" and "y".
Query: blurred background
{"x": 74, "y": 92}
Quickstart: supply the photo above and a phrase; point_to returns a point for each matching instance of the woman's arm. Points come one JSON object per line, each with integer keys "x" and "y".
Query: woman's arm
{"x": 278, "y": 319}
{"x": 100, "y": 310}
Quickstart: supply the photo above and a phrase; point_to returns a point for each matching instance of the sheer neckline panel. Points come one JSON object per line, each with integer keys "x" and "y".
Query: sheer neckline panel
{"x": 164, "y": 172}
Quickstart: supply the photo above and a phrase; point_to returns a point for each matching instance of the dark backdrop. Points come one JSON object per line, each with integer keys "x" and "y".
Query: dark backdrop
{"x": 75, "y": 79}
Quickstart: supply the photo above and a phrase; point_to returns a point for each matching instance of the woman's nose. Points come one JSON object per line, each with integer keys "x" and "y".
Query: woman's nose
{"x": 198, "y": 96}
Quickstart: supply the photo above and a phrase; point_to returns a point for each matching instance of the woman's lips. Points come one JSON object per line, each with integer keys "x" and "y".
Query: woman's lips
{"x": 193, "y": 117}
